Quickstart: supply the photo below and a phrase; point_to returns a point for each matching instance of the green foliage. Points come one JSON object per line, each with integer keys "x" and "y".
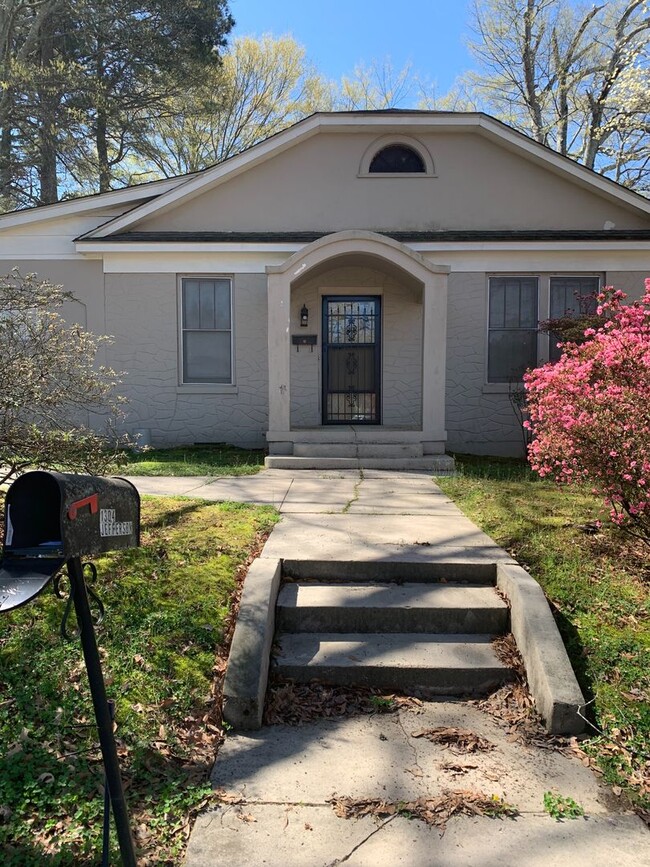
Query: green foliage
{"x": 598, "y": 585}
{"x": 218, "y": 460}
{"x": 81, "y": 79}
{"x": 561, "y": 807}
{"x": 166, "y": 604}
{"x": 382, "y": 704}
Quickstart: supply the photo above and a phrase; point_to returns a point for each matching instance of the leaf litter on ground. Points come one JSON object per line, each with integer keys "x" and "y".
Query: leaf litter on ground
{"x": 433, "y": 811}
{"x": 458, "y": 740}
{"x": 290, "y": 703}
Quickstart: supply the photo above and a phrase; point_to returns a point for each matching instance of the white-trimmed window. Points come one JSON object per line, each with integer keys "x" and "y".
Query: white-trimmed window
{"x": 206, "y": 329}
{"x": 570, "y": 297}
{"x": 397, "y": 157}
{"x": 512, "y": 327}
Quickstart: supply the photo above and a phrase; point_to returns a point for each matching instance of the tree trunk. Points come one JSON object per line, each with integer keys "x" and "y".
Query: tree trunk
{"x": 101, "y": 120}
{"x": 47, "y": 137}
{"x": 101, "y": 142}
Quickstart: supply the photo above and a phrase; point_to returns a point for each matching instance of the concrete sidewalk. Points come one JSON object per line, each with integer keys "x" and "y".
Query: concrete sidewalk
{"x": 278, "y": 781}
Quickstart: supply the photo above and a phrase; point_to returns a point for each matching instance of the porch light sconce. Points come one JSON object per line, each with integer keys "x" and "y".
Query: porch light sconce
{"x": 304, "y": 316}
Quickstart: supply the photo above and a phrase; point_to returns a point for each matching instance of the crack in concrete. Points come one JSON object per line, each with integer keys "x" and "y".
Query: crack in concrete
{"x": 361, "y": 843}
{"x": 286, "y": 494}
{"x": 409, "y": 743}
{"x": 355, "y": 493}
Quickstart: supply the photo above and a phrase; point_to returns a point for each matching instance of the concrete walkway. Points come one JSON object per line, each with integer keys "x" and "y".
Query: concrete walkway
{"x": 278, "y": 781}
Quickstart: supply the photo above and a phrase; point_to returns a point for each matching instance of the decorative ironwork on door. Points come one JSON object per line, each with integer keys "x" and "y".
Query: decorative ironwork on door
{"x": 351, "y": 359}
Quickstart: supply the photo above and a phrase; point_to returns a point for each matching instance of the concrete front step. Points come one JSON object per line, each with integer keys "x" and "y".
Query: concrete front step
{"x": 468, "y": 568}
{"x": 389, "y": 608}
{"x": 394, "y": 450}
{"x": 433, "y": 463}
{"x": 460, "y": 665}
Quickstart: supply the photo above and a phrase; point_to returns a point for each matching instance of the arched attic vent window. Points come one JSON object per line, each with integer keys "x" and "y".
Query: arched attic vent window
{"x": 397, "y": 159}
{"x": 395, "y": 156}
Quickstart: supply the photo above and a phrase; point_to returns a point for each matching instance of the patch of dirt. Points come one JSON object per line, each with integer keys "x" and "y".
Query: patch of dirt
{"x": 434, "y": 811}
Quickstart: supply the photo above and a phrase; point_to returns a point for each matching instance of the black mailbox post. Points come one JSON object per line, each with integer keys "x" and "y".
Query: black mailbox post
{"x": 52, "y": 519}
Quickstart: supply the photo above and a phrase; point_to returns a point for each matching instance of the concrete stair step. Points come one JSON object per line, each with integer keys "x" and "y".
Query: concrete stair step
{"x": 465, "y": 570}
{"x": 460, "y": 665}
{"x": 358, "y": 450}
{"x": 389, "y": 608}
{"x": 434, "y": 463}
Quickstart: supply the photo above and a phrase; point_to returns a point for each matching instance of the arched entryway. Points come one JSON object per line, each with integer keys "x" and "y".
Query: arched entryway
{"x": 399, "y": 300}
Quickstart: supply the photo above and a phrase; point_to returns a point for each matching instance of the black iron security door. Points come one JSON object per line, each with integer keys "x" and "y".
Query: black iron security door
{"x": 351, "y": 359}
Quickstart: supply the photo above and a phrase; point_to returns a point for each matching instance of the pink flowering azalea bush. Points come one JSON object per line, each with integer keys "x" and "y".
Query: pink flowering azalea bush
{"x": 590, "y": 411}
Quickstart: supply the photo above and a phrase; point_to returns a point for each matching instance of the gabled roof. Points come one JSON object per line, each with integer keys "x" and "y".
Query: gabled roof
{"x": 93, "y": 202}
{"x": 394, "y": 121}
{"x": 159, "y": 196}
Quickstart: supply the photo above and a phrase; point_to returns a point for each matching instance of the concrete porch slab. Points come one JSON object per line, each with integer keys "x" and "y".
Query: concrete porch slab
{"x": 369, "y": 537}
{"x": 297, "y": 835}
{"x": 285, "y": 776}
{"x": 370, "y": 756}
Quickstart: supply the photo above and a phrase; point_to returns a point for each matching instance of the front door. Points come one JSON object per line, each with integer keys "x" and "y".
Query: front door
{"x": 351, "y": 359}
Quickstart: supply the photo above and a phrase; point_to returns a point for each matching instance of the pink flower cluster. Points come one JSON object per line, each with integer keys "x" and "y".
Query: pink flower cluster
{"x": 590, "y": 412}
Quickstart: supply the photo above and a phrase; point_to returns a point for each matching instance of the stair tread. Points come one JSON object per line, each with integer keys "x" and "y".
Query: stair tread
{"x": 384, "y": 595}
{"x": 440, "y": 463}
{"x": 390, "y": 650}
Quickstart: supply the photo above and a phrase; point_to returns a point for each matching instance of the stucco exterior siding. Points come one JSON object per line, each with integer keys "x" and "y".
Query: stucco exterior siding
{"x": 480, "y": 418}
{"x": 401, "y": 350}
{"x": 142, "y": 313}
{"x": 479, "y": 184}
{"x": 631, "y": 282}
{"x": 82, "y": 278}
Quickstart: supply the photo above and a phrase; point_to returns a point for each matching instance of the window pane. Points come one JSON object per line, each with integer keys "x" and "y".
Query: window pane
{"x": 497, "y": 303}
{"x": 528, "y": 308}
{"x": 206, "y": 292}
{"x": 566, "y": 293}
{"x": 191, "y": 304}
{"x": 206, "y": 356}
{"x": 510, "y": 354}
{"x": 512, "y": 304}
{"x": 397, "y": 158}
{"x": 222, "y": 303}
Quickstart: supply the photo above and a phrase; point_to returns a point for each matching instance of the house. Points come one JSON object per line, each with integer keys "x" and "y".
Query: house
{"x": 361, "y": 284}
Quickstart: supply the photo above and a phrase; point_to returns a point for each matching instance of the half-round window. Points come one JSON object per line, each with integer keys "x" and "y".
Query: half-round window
{"x": 397, "y": 159}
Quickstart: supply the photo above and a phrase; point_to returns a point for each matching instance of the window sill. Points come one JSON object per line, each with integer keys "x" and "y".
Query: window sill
{"x": 206, "y": 388}
{"x": 396, "y": 175}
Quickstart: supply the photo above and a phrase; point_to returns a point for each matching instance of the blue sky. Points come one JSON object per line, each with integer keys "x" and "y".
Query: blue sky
{"x": 339, "y": 34}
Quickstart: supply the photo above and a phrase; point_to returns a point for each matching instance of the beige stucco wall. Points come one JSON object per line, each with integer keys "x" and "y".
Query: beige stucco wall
{"x": 83, "y": 278}
{"x": 478, "y": 421}
{"x": 631, "y": 282}
{"x": 401, "y": 344}
{"x": 142, "y": 313}
{"x": 315, "y": 186}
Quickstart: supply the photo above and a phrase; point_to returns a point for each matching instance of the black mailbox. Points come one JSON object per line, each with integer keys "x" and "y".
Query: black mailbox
{"x": 52, "y": 517}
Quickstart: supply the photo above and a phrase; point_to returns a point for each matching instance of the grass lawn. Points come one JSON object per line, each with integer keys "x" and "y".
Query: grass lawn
{"x": 599, "y": 588}
{"x": 214, "y": 460}
{"x": 168, "y": 609}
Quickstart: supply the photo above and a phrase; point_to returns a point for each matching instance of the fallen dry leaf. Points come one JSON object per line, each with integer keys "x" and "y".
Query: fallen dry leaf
{"x": 433, "y": 811}
{"x": 457, "y": 740}
{"x": 457, "y": 770}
